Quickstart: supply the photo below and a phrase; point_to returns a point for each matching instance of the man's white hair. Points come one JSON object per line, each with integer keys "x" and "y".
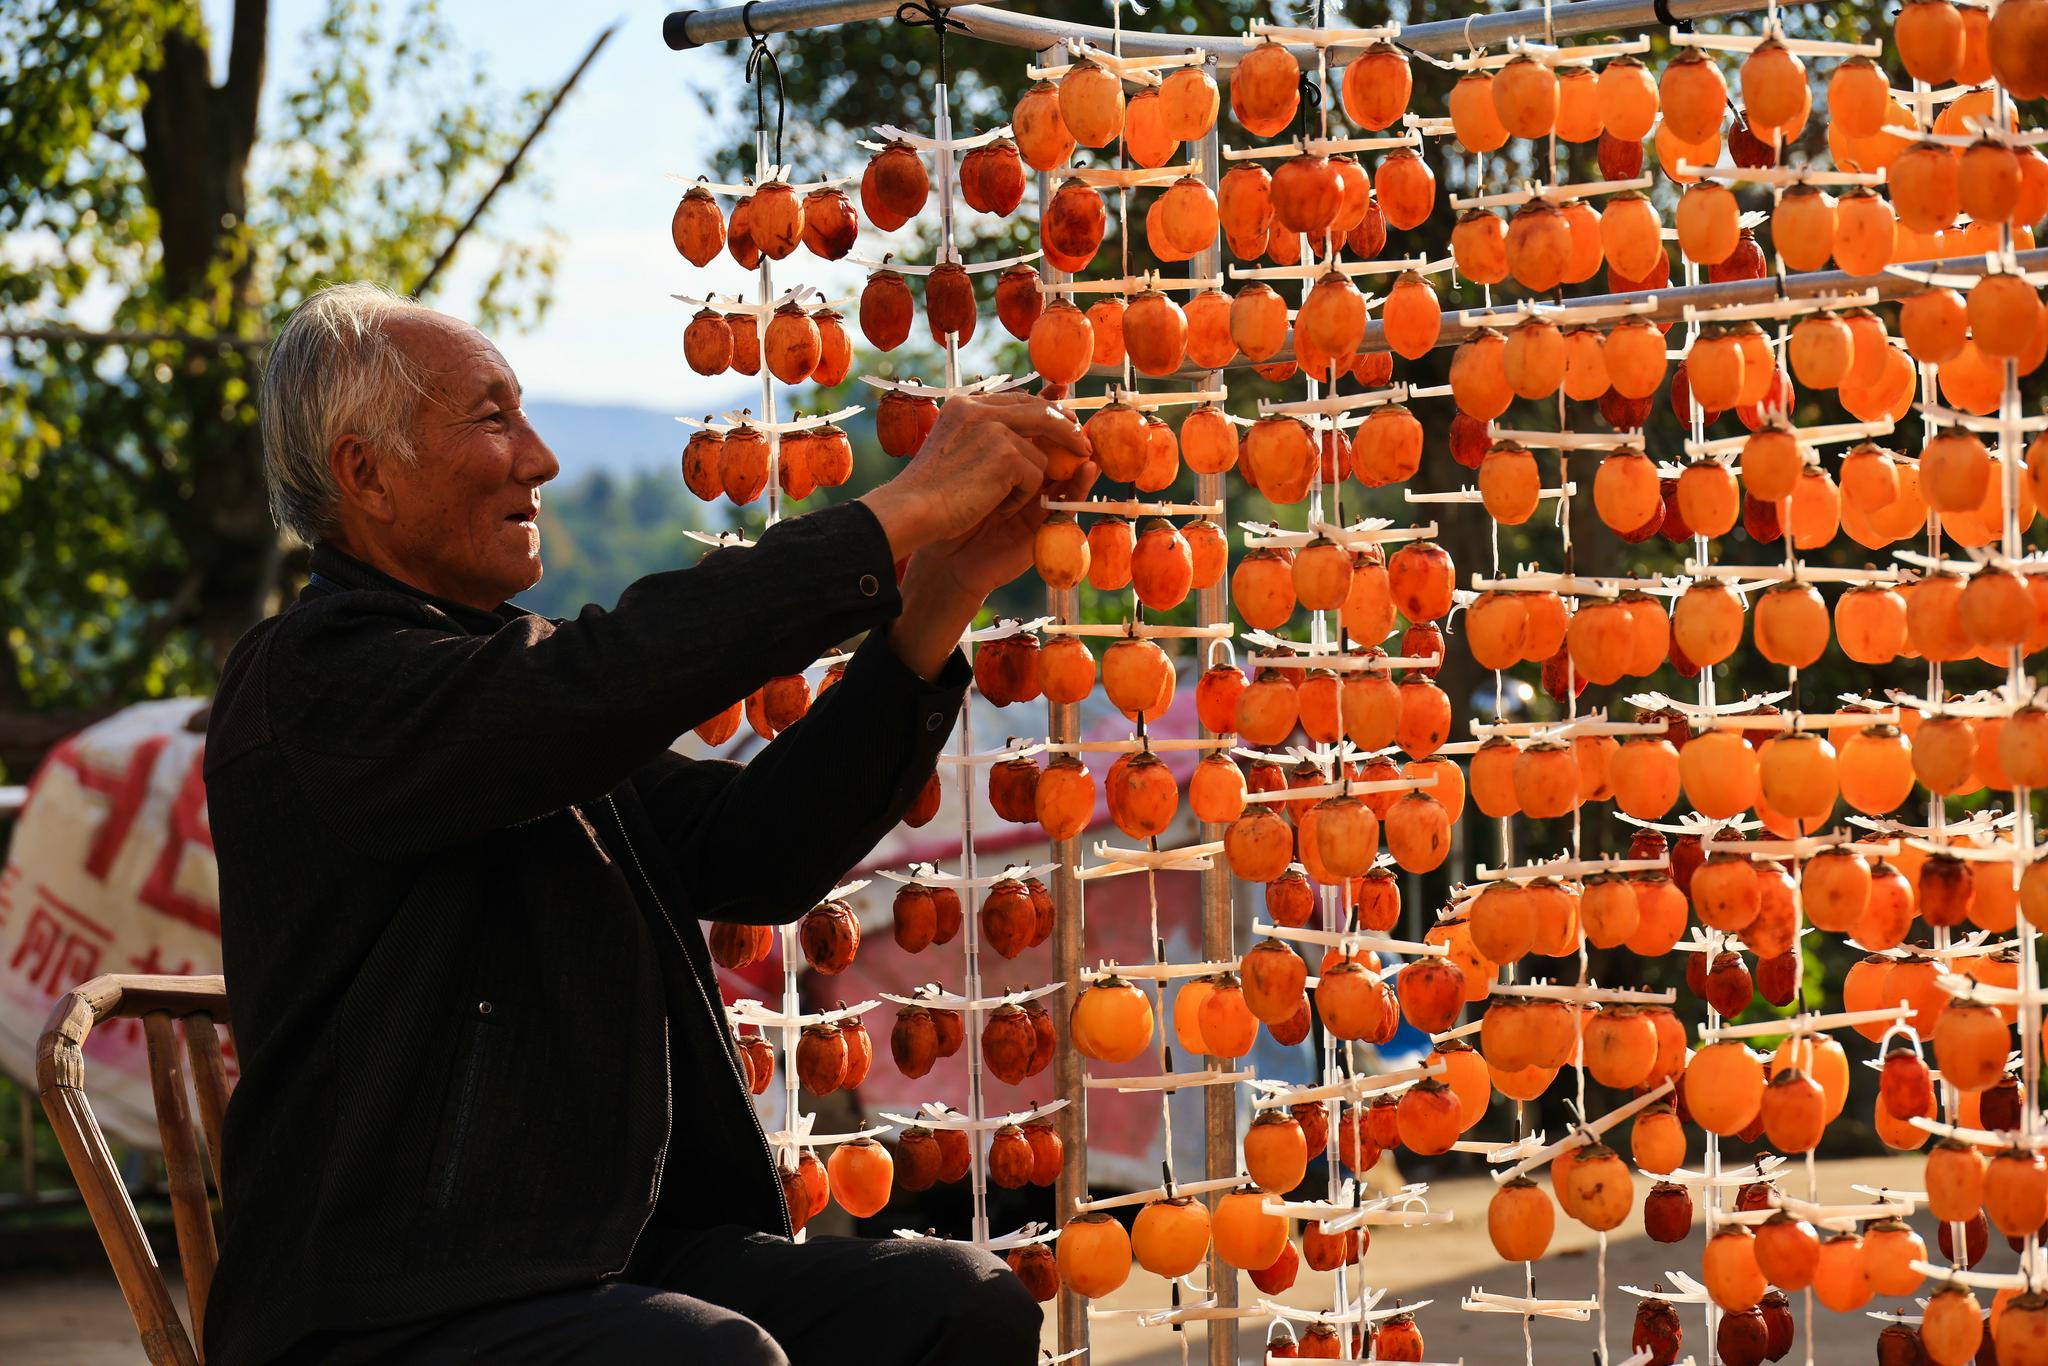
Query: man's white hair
{"x": 333, "y": 369}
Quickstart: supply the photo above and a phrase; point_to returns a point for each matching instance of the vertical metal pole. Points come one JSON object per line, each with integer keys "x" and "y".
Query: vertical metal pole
{"x": 1063, "y": 724}
{"x": 1219, "y": 938}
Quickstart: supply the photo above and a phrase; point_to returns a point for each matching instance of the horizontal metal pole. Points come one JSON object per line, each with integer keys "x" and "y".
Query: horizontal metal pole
{"x": 693, "y": 28}
{"x": 687, "y": 28}
{"x": 1671, "y": 302}
{"x": 1442, "y": 38}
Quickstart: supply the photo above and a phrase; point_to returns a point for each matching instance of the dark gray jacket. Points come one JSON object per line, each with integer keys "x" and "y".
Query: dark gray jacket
{"x": 460, "y": 878}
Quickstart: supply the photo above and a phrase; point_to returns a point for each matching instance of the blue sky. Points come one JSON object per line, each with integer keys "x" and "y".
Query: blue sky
{"x": 613, "y": 335}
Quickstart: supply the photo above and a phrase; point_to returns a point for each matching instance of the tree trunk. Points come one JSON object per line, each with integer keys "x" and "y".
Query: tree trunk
{"x": 196, "y": 161}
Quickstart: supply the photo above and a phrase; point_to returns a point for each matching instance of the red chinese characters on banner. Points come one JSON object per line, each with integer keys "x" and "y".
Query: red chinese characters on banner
{"x": 110, "y": 869}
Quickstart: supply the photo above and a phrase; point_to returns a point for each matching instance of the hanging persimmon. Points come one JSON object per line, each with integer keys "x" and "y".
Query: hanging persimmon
{"x": 1411, "y": 317}
{"x": 1040, "y": 130}
{"x": 1819, "y": 350}
{"x": 1634, "y": 352}
{"x": 1791, "y": 625}
{"x": 1923, "y": 182}
{"x": 1929, "y": 38}
{"x": 1579, "y": 117}
{"x": 1265, "y": 90}
{"x": 1539, "y": 246}
{"x": 1708, "y": 220}
{"x": 1718, "y": 772}
{"x": 1475, "y": 117}
{"x": 1706, "y": 622}
{"x": 1479, "y": 248}
{"x": 1479, "y": 383}
{"x": 1376, "y": 87}
{"x": 1857, "y": 92}
{"x": 1188, "y": 100}
{"x": 1405, "y": 188}
{"x": 1145, "y": 139}
{"x": 1866, "y": 232}
{"x": 1525, "y": 99}
{"x": 1693, "y": 96}
{"x": 2005, "y": 315}
{"x": 1625, "y": 105}
{"x": 1775, "y": 97}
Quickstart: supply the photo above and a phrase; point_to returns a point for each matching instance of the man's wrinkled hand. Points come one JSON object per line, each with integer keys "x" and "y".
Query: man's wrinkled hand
{"x": 988, "y": 458}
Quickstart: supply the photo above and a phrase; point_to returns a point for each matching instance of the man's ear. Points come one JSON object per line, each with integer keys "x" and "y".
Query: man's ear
{"x": 359, "y": 474}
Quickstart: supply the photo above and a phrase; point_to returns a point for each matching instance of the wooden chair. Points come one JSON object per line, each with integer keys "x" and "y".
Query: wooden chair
{"x": 160, "y": 1003}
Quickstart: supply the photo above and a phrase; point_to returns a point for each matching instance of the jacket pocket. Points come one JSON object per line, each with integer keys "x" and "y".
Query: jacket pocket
{"x": 462, "y": 1106}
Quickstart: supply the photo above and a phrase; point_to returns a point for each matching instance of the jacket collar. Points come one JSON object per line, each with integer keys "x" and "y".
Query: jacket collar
{"x": 335, "y": 570}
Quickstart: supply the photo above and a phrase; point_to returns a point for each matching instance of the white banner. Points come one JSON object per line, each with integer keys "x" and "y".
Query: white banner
{"x": 111, "y": 869}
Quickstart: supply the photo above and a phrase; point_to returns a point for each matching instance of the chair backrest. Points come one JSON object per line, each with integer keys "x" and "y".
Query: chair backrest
{"x": 200, "y": 1004}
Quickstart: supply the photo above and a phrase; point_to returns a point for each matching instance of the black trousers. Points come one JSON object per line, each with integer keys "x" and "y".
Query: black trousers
{"x": 734, "y": 1297}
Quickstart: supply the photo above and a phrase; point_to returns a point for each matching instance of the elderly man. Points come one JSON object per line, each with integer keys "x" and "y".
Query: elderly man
{"x": 489, "y": 1107}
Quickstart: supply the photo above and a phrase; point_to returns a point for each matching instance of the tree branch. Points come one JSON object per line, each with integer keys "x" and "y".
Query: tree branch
{"x": 243, "y": 92}
{"x": 510, "y": 168}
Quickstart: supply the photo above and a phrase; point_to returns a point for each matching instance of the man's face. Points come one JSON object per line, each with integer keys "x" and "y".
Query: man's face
{"x": 467, "y": 508}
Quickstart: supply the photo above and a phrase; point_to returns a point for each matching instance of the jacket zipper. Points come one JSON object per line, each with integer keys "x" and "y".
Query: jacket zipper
{"x": 731, "y": 1063}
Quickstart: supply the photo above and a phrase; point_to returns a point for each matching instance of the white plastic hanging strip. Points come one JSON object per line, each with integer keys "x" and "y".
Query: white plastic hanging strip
{"x": 1167, "y": 1081}
{"x": 1806, "y": 436}
{"x": 1525, "y": 309}
{"x": 1472, "y": 495}
{"x": 1135, "y": 284}
{"x": 1592, "y": 993}
{"x": 1123, "y": 507}
{"x": 932, "y": 1115}
{"x": 795, "y": 295}
{"x": 1779, "y": 175}
{"x": 1147, "y": 1196}
{"x": 1579, "y": 54}
{"x": 1584, "y": 1134}
{"x": 1804, "y": 573}
{"x": 1316, "y": 270}
{"x": 1782, "y": 308}
{"x": 1270, "y": 151}
{"x": 1144, "y": 402}
{"x": 930, "y": 995}
{"x": 1554, "y": 193}
{"x": 1127, "y": 177}
{"x": 1809, "y": 1023}
{"x": 930, "y": 144}
{"x": 747, "y": 187}
{"x": 796, "y": 424}
{"x": 1332, "y": 403}
{"x": 1141, "y": 630}
{"x": 1324, "y": 36}
{"x": 1350, "y": 941}
{"x": 1799, "y": 47}
{"x": 748, "y": 1011}
{"x": 971, "y": 267}
{"x": 1273, "y": 1095}
{"x": 1571, "y": 441}
{"x": 1574, "y": 1311}
{"x": 987, "y": 384}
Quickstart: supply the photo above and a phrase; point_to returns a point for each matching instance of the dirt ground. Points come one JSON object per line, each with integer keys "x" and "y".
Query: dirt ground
{"x": 81, "y": 1321}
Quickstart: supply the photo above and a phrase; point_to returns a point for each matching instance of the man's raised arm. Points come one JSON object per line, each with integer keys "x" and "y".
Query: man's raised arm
{"x": 410, "y": 737}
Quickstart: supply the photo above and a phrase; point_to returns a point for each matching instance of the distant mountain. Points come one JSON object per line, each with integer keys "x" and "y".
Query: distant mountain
{"x": 617, "y": 438}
